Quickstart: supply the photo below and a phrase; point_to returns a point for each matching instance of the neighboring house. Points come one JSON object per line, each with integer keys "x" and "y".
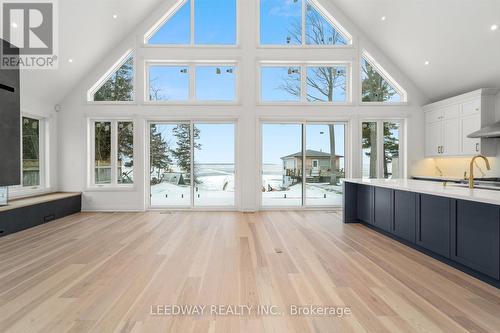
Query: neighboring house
{"x": 318, "y": 167}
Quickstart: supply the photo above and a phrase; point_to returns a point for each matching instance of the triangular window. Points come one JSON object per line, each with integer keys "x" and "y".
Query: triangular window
{"x": 175, "y": 28}
{"x": 320, "y": 30}
{"x": 214, "y": 23}
{"x": 377, "y": 85}
{"x": 118, "y": 84}
{"x": 299, "y": 22}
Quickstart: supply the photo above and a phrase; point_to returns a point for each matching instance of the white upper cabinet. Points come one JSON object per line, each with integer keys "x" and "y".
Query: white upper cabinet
{"x": 448, "y": 122}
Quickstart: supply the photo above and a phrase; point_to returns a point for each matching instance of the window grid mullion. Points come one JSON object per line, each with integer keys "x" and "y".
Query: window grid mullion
{"x": 114, "y": 152}
{"x": 191, "y": 21}
{"x": 303, "y": 22}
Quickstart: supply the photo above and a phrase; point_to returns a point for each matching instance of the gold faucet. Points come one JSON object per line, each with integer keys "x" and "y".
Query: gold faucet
{"x": 471, "y": 173}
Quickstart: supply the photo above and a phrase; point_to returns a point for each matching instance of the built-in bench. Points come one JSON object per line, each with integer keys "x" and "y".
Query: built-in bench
{"x": 25, "y": 213}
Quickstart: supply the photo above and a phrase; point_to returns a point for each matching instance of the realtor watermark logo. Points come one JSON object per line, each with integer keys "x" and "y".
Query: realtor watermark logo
{"x": 31, "y": 29}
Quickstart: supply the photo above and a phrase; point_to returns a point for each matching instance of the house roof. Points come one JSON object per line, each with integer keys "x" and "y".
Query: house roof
{"x": 310, "y": 153}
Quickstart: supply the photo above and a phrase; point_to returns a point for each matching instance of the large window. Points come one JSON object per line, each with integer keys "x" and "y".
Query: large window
{"x": 31, "y": 152}
{"x": 299, "y": 22}
{"x": 289, "y": 181}
{"x": 197, "y": 22}
{"x": 326, "y": 83}
{"x": 192, "y": 164}
{"x": 376, "y": 85}
{"x": 192, "y": 83}
{"x": 118, "y": 85}
{"x": 112, "y": 152}
{"x": 381, "y": 149}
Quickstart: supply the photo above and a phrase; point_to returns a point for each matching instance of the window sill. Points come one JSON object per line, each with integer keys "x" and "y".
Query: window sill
{"x": 111, "y": 102}
{"x": 19, "y": 193}
{"x": 301, "y": 104}
{"x": 200, "y": 103}
{"x": 111, "y": 188}
{"x": 306, "y": 46}
{"x": 383, "y": 103}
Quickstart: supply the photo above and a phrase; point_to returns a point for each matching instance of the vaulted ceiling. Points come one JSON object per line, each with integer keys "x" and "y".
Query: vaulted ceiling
{"x": 453, "y": 35}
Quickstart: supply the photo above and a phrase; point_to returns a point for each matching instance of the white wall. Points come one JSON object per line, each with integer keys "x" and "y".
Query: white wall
{"x": 73, "y": 137}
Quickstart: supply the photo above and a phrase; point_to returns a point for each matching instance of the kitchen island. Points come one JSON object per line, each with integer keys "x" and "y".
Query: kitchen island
{"x": 452, "y": 223}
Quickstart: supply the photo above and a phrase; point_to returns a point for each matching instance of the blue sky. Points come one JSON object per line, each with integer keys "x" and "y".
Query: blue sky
{"x": 217, "y": 142}
{"x": 280, "y": 140}
{"x": 215, "y": 23}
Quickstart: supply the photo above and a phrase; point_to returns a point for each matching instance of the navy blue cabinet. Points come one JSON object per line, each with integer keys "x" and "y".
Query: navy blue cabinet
{"x": 475, "y": 236}
{"x": 26, "y": 217}
{"x": 433, "y": 223}
{"x": 365, "y": 203}
{"x": 404, "y": 215}
{"x": 382, "y": 210}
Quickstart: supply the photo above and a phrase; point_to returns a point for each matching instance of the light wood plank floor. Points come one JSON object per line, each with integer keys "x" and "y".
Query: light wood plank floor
{"x": 102, "y": 272}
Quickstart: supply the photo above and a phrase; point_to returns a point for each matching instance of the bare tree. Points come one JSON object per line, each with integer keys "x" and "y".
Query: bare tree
{"x": 322, "y": 82}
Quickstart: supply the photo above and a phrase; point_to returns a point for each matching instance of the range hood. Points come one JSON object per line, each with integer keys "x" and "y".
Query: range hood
{"x": 491, "y": 131}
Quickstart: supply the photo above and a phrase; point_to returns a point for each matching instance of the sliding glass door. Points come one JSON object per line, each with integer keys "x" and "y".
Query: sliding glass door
{"x": 214, "y": 164}
{"x": 303, "y": 164}
{"x": 325, "y": 164}
{"x": 191, "y": 164}
{"x": 170, "y": 164}
{"x": 282, "y": 165}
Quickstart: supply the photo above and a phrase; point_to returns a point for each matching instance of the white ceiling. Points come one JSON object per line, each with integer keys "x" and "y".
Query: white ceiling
{"x": 454, "y": 35}
{"x": 87, "y": 32}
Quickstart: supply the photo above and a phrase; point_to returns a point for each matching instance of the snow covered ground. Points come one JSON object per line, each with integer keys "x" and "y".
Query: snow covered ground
{"x": 317, "y": 194}
{"x": 215, "y": 187}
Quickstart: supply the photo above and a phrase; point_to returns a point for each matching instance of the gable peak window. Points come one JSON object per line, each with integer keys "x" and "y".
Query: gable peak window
{"x": 117, "y": 85}
{"x": 377, "y": 86}
{"x": 196, "y": 22}
{"x": 299, "y": 22}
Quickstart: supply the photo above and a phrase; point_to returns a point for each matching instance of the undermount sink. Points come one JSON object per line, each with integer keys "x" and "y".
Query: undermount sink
{"x": 492, "y": 187}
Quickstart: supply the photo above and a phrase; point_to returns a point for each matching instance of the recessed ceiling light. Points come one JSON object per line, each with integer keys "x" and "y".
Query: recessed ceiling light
{"x": 14, "y": 25}
{"x": 494, "y": 27}
{"x": 70, "y": 60}
{"x": 115, "y": 16}
{"x": 383, "y": 18}
{"x": 427, "y": 62}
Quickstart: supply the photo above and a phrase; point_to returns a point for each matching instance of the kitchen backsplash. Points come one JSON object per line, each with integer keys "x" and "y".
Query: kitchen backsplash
{"x": 455, "y": 167}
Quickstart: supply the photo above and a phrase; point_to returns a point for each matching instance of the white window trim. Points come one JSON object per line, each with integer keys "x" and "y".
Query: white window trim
{"x": 171, "y": 12}
{"x": 303, "y": 123}
{"x": 380, "y": 145}
{"x": 114, "y": 185}
{"x": 322, "y": 11}
{"x": 303, "y": 82}
{"x": 102, "y": 80}
{"x": 19, "y": 191}
{"x": 192, "y": 65}
{"x": 385, "y": 75}
{"x": 192, "y": 123}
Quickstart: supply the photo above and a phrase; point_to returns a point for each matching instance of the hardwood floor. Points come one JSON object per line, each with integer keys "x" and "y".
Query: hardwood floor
{"x": 112, "y": 272}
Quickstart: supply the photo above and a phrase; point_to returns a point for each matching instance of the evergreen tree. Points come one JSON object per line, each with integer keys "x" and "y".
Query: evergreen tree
{"x": 119, "y": 87}
{"x": 125, "y": 149}
{"x": 391, "y": 145}
{"x": 374, "y": 88}
{"x": 183, "y": 152}
{"x": 159, "y": 152}
{"x": 369, "y": 141}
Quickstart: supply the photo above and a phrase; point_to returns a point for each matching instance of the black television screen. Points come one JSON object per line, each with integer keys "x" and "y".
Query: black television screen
{"x": 10, "y": 113}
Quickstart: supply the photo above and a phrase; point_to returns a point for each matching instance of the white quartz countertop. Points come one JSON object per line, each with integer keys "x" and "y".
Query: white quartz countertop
{"x": 434, "y": 188}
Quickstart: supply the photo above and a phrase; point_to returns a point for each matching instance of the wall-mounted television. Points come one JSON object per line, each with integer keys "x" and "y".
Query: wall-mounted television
{"x": 10, "y": 133}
